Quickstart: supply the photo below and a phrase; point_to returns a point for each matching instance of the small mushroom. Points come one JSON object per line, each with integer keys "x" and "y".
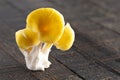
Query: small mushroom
{"x": 67, "y": 39}
{"x": 27, "y": 38}
{"x": 44, "y": 28}
{"x": 48, "y": 22}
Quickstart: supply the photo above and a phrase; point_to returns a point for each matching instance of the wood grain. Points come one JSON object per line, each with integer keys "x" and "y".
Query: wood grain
{"x": 94, "y": 55}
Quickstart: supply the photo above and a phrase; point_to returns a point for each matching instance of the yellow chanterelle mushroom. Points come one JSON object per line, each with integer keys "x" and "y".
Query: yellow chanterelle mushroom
{"x": 26, "y": 38}
{"x": 45, "y": 27}
{"x": 67, "y": 39}
{"x": 48, "y": 22}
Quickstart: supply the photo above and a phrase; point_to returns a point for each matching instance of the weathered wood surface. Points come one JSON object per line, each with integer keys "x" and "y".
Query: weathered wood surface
{"x": 95, "y": 54}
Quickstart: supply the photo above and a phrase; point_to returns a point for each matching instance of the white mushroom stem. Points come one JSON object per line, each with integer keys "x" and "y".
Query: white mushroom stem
{"x": 37, "y": 58}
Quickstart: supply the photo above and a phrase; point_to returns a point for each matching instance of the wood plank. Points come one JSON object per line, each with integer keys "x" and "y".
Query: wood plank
{"x": 17, "y": 75}
{"x": 6, "y": 61}
{"x": 110, "y": 5}
{"x": 115, "y": 64}
{"x": 21, "y": 73}
{"x": 6, "y": 13}
{"x": 99, "y": 52}
{"x": 99, "y": 35}
{"x": 84, "y": 65}
{"x": 110, "y": 23}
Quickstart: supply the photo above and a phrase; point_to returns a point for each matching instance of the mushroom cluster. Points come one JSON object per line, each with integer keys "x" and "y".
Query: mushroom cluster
{"x": 45, "y": 27}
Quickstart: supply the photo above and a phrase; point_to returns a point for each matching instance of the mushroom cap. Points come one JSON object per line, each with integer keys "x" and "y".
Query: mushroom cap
{"x": 26, "y": 38}
{"x": 48, "y": 22}
{"x": 67, "y": 39}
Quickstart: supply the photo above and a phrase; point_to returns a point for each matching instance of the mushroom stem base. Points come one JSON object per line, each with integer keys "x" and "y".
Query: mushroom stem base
{"x": 37, "y": 59}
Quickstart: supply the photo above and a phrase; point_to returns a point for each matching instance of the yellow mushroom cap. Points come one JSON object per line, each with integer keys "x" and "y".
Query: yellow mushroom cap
{"x": 48, "y": 22}
{"x": 67, "y": 39}
{"x": 26, "y": 38}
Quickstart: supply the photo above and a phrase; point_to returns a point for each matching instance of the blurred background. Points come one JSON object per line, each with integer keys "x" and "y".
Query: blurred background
{"x": 95, "y": 54}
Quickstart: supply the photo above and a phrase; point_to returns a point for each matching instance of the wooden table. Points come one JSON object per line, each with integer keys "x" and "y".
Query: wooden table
{"x": 95, "y": 54}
